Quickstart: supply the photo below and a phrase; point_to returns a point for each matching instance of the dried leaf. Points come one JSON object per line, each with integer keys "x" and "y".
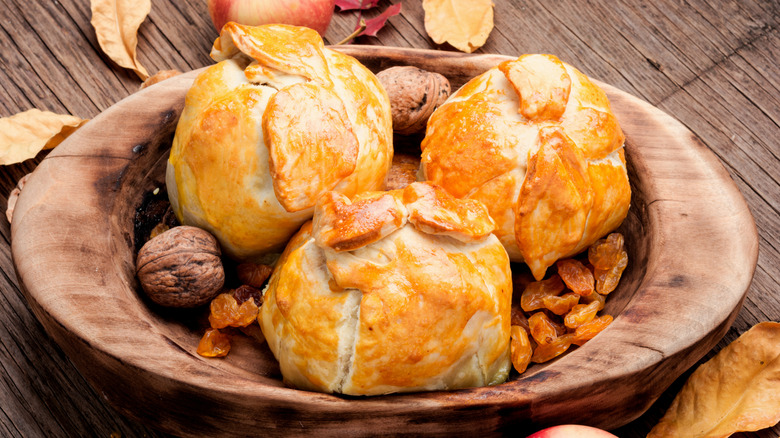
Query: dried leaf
{"x": 465, "y": 24}
{"x": 375, "y": 24}
{"x": 116, "y": 24}
{"x": 25, "y": 134}
{"x": 737, "y": 390}
{"x": 349, "y": 5}
{"x": 14, "y": 196}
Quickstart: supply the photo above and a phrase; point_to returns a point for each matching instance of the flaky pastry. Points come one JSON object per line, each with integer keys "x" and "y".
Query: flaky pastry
{"x": 279, "y": 120}
{"x": 536, "y": 141}
{"x": 405, "y": 290}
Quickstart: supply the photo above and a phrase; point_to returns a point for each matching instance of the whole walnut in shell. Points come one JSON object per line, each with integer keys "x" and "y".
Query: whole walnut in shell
{"x": 414, "y": 95}
{"x": 181, "y": 267}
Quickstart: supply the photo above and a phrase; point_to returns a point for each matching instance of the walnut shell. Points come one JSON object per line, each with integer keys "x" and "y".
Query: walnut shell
{"x": 181, "y": 267}
{"x": 414, "y": 95}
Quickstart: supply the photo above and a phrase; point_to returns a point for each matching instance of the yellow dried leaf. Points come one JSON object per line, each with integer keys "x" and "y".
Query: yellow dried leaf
{"x": 116, "y": 24}
{"x": 738, "y": 390}
{"x": 25, "y": 134}
{"x": 465, "y": 24}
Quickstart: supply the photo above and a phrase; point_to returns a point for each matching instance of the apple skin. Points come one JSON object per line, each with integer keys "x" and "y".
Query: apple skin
{"x": 315, "y": 14}
{"x": 572, "y": 431}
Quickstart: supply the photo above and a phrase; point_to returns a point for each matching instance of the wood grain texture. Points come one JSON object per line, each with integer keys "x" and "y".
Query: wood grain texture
{"x": 80, "y": 282}
{"x": 49, "y": 60}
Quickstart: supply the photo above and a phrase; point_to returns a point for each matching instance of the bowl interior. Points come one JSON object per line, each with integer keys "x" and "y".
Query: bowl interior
{"x": 249, "y": 356}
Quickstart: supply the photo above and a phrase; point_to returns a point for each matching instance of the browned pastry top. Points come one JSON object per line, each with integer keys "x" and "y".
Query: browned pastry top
{"x": 536, "y": 141}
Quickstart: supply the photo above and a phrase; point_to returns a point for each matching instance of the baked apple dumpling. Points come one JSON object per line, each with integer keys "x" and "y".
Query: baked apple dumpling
{"x": 405, "y": 290}
{"x": 536, "y": 141}
{"x": 278, "y": 121}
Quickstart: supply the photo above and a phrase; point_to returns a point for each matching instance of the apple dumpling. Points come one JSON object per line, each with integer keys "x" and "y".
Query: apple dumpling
{"x": 278, "y": 121}
{"x": 405, "y": 290}
{"x": 536, "y": 141}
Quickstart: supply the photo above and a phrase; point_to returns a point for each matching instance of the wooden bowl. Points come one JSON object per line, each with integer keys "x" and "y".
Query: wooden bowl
{"x": 692, "y": 251}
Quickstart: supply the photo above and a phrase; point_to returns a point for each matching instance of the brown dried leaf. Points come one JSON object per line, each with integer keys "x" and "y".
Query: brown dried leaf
{"x": 465, "y": 24}
{"x": 737, "y": 390}
{"x": 25, "y": 134}
{"x": 116, "y": 24}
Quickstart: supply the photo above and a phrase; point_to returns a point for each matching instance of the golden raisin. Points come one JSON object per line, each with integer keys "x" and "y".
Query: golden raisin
{"x": 246, "y": 292}
{"x": 253, "y": 274}
{"x": 214, "y": 344}
{"x": 247, "y": 314}
{"x": 223, "y": 307}
{"x": 607, "y": 279}
{"x": 553, "y": 349}
{"x": 520, "y": 348}
{"x": 580, "y": 314}
{"x": 534, "y": 293}
{"x": 587, "y": 331}
{"x": 519, "y": 318}
{"x": 561, "y": 305}
{"x": 158, "y": 229}
{"x": 603, "y": 254}
{"x": 542, "y": 328}
{"x": 225, "y": 311}
{"x": 577, "y": 277}
{"x": 560, "y": 328}
{"x": 595, "y": 296}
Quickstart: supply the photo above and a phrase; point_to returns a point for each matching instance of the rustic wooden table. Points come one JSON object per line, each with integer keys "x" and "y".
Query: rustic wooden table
{"x": 710, "y": 64}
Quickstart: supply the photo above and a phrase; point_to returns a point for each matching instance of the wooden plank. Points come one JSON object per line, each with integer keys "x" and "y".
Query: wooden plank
{"x": 59, "y": 57}
{"x": 584, "y": 20}
{"x": 24, "y": 85}
{"x": 50, "y": 60}
{"x": 534, "y": 29}
{"x": 184, "y": 26}
{"x": 56, "y": 389}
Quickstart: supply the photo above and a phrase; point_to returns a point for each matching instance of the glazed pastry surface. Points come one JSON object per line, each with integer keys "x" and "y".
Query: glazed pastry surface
{"x": 396, "y": 291}
{"x": 279, "y": 120}
{"x": 536, "y": 141}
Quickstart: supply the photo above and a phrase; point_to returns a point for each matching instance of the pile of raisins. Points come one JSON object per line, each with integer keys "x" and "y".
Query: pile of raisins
{"x": 236, "y": 308}
{"x": 562, "y": 310}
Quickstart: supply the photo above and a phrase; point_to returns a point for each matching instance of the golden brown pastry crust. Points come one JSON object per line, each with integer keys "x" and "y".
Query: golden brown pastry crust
{"x": 536, "y": 141}
{"x": 279, "y": 120}
{"x": 395, "y": 308}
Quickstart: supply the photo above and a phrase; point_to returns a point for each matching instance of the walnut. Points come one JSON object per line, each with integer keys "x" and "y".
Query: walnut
{"x": 414, "y": 95}
{"x": 159, "y": 77}
{"x": 181, "y": 267}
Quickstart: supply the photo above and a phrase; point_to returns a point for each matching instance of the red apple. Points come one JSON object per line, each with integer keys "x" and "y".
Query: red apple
{"x": 315, "y": 14}
{"x": 572, "y": 431}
